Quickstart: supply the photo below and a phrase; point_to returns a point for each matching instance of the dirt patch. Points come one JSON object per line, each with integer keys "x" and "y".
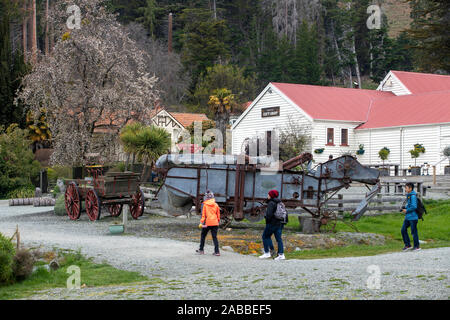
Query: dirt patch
{"x": 244, "y": 237}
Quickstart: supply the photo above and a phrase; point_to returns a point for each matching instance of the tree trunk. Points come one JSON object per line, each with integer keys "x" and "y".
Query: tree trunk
{"x": 25, "y": 31}
{"x": 222, "y": 120}
{"x": 52, "y": 34}
{"x": 127, "y": 162}
{"x": 33, "y": 33}
{"x": 355, "y": 59}
{"x": 350, "y": 71}
{"x": 46, "y": 30}
{"x": 339, "y": 56}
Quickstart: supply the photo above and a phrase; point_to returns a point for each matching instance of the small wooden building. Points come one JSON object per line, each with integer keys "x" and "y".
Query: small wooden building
{"x": 175, "y": 122}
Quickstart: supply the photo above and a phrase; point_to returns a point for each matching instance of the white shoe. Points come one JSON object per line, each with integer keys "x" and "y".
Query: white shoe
{"x": 280, "y": 257}
{"x": 266, "y": 255}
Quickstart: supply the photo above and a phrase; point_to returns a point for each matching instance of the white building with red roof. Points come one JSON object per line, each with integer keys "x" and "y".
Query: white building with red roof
{"x": 408, "y": 108}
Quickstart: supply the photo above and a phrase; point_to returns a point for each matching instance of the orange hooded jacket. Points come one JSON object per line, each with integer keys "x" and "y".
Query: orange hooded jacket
{"x": 210, "y": 212}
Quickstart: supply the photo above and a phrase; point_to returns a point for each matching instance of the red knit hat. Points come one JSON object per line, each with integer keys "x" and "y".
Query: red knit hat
{"x": 273, "y": 193}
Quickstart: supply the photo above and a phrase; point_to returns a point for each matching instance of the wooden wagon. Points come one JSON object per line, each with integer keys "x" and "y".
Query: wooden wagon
{"x": 112, "y": 190}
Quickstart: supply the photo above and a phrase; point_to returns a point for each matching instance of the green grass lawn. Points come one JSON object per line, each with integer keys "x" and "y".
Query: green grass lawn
{"x": 92, "y": 275}
{"x": 435, "y": 230}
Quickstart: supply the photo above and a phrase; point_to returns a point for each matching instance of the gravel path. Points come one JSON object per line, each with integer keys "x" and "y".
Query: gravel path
{"x": 175, "y": 272}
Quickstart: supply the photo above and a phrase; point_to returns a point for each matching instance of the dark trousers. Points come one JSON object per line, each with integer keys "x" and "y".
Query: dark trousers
{"x": 270, "y": 230}
{"x": 214, "y": 230}
{"x": 415, "y": 234}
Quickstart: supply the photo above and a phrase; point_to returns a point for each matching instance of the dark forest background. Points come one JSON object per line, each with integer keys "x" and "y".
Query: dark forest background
{"x": 242, "y": 45}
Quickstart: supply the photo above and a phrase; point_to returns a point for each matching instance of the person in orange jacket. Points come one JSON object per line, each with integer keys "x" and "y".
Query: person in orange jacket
{"x": 210, "y": 221}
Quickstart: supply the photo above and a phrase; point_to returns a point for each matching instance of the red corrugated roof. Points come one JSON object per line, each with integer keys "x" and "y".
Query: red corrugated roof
{"x": 426, "y": 108}
{"x": 332, "y": 103}
{"x": 186, "y": 119}
{"x": 423, "y": 82}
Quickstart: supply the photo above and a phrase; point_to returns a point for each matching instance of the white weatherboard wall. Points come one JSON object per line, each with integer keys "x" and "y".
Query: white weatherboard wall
{"x": 319, "y": 139}
{"x": 376, "y": 139}
{"x": 401, "y": 140}
{"x": 252, "y": 124}
{"x": 393, "y": 84}
{"x": 171, "y": 125}
{"x": 444, "y": 141}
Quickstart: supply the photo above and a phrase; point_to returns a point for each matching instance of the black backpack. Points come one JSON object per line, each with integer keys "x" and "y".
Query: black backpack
{"x": 420, "y": 209}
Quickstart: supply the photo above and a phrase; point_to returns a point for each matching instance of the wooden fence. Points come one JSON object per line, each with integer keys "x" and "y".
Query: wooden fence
{"x": 383, "y": 203}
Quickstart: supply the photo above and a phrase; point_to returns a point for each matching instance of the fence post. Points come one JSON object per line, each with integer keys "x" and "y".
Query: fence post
{"x": 125, "y": 209}
{"x": 341, "y": 204}
{"x": 434, "y": 175}
{"x": 379, "y": 198}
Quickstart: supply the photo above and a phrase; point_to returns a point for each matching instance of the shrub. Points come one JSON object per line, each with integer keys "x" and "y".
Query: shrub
{"x": 446, "y": 153}
{"x": 51, "y": 175}
{"x": 119, "y": 167}
{"x": 17, "y": 164}
{"x": 22, "y": 192}
{"x": 22, "y": 264}
{"x": 384, "y": 153}
{"x": 419, "y": 148}
{"x": 60, "y": 206}
{"x": 56, "y": 191}
{"x": 6, "y": 260}
{"x": 56, "y": 172}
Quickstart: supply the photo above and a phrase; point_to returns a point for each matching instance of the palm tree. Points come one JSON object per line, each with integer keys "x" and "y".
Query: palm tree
{"x": 38, "y": 130}
{"x": 151, "y": 143}
{"x": 127, "y": 137}
{"x": 222, "y": 103}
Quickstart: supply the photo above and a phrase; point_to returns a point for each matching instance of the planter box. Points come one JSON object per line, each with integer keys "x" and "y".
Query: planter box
{"x": 116, "y": 228}
{"x": 415, "y": 171}
{"x": 447, "y": 170}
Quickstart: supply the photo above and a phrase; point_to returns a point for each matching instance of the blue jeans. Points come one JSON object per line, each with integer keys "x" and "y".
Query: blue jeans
{"x": 270, "y": 230}
{"x": 415, "y": 234}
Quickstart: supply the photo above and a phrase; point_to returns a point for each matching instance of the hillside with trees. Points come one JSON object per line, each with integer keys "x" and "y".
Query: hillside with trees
{"x": 196, "y": 47}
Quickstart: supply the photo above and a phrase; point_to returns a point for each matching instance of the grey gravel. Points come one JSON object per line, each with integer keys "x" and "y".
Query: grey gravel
{"x": 175, "y": 272}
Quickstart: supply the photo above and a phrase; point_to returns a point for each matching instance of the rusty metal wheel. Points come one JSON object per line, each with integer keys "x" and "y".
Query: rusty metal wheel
{"x": 115, "y": 209}
{"x": 255, "y": 215}
{"x": 93, "y": 205}
{"x": 137, "y": 204}
{"x": 72, "y": 201}
{"x": 226, "y": 217}
{"x": 328, "y": 221}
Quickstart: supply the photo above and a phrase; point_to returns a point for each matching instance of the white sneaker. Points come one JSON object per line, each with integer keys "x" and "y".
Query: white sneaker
{"x": 266, "y": 255}
{"x": 280, "y": 257}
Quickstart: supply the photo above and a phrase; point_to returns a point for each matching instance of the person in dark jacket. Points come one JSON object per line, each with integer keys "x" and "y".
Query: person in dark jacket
{"x": 411, "y": 218}
{"x": 273, "y": 227}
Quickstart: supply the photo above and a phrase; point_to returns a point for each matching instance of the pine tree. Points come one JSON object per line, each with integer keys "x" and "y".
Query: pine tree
{"x": 307, "y": 69}
{"x": 430, "y": 29}
{"x": 12, "y": 69}
{"x": 203, "y": 42}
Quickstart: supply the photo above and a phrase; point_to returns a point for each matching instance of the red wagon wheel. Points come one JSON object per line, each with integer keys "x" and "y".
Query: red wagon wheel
{"x": 93, "y": 205}
{"x": 115, "y": 209}
{"x": 72, "y": 201}
{"x": 137, "y": 204}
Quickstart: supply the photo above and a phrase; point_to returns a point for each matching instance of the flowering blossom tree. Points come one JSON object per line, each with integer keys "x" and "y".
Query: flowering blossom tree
{"x": 94, "y": 83}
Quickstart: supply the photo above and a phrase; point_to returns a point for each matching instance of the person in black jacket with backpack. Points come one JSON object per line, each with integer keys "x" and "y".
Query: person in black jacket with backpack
{"x": 274, "y": 226}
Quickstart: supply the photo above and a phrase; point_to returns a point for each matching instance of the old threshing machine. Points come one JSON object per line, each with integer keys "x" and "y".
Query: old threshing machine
{"x": 240, "y": 184}
{"x": 112, "y": 190}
